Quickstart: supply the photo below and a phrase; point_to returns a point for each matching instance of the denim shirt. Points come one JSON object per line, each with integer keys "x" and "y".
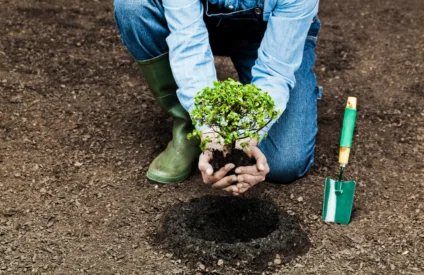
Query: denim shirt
{"x": 279, "y": 55}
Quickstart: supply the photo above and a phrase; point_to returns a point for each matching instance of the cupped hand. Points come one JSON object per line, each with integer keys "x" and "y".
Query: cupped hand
{"x": 248, "y": 176}
{"x": 217, "y": 179}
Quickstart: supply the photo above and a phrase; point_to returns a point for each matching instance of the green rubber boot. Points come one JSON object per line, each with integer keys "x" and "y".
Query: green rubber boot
{"x": 175, "y": 163}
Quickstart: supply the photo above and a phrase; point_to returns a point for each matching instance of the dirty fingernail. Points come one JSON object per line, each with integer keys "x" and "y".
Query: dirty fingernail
{"x": 209, "y": 171}
{"x": 261, "y": 166}
{"x": 238, "y": 171}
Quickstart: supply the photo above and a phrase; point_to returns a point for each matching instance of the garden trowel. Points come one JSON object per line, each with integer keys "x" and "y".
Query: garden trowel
{"x": 338, "y": 194}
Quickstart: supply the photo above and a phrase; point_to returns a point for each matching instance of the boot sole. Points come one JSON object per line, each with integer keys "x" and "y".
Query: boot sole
{"x": 160, "y": 180}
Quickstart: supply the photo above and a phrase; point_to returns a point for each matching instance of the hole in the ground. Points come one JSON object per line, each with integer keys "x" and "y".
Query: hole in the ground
{"x": 225, "y": 220}
{"x": 246, "y": 231}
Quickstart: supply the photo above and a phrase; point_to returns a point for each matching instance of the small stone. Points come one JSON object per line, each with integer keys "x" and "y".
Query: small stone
{"x": 168, "y": 255}
{"x": 392, "y": 267}
{"x": 202, "y": 266}
{"x": 314, "y": 217}
{"x": 78, "y": 164}
{"x": 134, "y": 246}
{"x": 51, "y": 222}
{"x": 277, "y": 261}
{"x": 43, "y": 190}
{"x": 300, "y": 199}
{"x": 220, "y": 262}
{"x": 292, "y": 196}
{"x": 405, "y": 252}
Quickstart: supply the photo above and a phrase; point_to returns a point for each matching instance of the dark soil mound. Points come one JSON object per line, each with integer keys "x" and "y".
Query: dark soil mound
{"x": 237, "y": 157}
{"x": 245, "y": 230}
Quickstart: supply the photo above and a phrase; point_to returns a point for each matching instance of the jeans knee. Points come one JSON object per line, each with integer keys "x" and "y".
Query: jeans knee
{"x": 126, "y": 11}
{"x": 289, "y": 168}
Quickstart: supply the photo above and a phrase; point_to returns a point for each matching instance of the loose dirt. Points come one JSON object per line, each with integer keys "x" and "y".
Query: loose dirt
{"x": 237, "y": 157}
{"x": 78, "y": 129}
{"x": 247, "y": 233}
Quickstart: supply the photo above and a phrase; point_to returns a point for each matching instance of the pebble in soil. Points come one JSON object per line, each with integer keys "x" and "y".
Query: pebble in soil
{"x": 233, "y": 229}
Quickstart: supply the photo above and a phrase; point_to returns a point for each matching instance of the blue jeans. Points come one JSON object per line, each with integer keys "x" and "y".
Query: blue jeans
{"x": 290, "y": 144}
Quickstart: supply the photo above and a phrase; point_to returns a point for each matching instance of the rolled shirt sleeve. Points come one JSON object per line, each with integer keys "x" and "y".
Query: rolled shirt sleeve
{"x": 281, "y": 51}
{"x": 190, "y": 54}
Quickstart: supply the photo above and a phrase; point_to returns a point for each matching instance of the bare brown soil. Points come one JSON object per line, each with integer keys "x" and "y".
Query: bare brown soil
{"x": 78, "y": 129}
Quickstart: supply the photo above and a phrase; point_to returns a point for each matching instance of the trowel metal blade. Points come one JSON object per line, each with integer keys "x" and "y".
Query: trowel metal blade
{"x": 338, "y": 201}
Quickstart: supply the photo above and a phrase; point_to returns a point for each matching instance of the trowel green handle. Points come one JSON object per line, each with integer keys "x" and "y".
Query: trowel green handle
{"x": 347, "y": 131}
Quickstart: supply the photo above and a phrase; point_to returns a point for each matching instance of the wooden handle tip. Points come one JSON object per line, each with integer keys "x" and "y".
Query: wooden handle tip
{"x": 351, "y": 102}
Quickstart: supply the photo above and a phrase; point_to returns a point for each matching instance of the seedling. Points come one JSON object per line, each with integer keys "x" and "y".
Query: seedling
{"x": 234, "y": 112}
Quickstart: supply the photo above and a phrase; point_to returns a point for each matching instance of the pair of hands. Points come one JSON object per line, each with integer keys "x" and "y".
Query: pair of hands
{"x": 244, "y": 178}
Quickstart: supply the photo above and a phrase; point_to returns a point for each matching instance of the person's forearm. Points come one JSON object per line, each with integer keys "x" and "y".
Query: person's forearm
{"x": 189, "y": 50}
{"x": 281, "y": 50}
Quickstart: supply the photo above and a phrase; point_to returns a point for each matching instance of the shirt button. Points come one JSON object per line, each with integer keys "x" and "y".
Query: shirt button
{"x": 230, "y": 7}
{"x": 258, "y": 11}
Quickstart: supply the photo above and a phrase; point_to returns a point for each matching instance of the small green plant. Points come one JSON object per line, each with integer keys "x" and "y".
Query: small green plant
{"x": 233, "y": 111}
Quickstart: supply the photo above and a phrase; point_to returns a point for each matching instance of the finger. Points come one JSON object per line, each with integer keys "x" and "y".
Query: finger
{"x": 232, "y": 188}
{"x": 251, "y": 170}
{"x": 225, "y": 182}
{"x": 223, "y": 171}
{"x": 218, "y": 175}
{"x": 251, "y": 180}
{"x": 242, "y": 185}
{"x": 260, "y": 158}
{"x": 208, "y": 179}
{"x": 204, "y": 165}
{"x": 244, "y": 189}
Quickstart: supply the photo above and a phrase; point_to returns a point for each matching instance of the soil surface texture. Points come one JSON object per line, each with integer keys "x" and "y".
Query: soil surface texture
{"x": 79, "y": 127}
{"x": 245, "y": 232}
{"x": 237, "y": 157}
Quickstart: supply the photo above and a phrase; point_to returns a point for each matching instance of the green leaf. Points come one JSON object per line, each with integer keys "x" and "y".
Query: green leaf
{"x": 237, "y": 110}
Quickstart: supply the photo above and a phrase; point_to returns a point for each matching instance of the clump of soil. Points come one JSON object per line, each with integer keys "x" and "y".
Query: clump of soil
{"x": 244, "y": 230}
{"x": 237, "y": 157}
